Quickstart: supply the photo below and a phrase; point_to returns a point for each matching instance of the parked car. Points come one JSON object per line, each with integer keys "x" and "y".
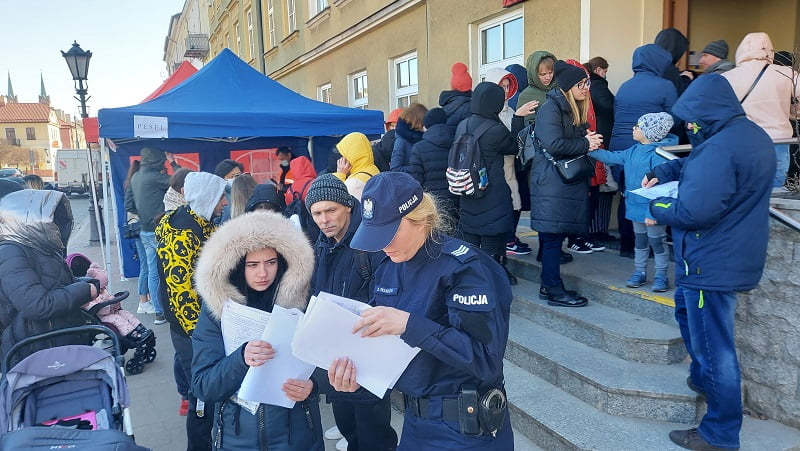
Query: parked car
{"x": 10, "y": 172}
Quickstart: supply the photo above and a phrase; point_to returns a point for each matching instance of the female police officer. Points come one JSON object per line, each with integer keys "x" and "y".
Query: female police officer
{"x": 452, "y": 301}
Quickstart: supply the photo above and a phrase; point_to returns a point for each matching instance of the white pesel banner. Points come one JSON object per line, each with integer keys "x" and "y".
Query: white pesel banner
{"x": 150, "y": 127}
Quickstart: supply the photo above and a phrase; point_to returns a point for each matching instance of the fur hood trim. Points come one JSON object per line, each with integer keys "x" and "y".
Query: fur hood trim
{"x": 249, "y": 232}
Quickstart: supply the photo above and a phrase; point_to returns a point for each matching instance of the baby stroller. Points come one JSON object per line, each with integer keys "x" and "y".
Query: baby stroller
{"x": 140, "y": 338}
{"x": 65, "y": 397}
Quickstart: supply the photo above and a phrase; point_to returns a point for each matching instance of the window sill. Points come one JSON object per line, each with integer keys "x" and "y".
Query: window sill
{"x": 291, "y": 37}
{"x": 320, "y": 17}
{"x": 340, "y": 3}
{"x": 271, "y": 52}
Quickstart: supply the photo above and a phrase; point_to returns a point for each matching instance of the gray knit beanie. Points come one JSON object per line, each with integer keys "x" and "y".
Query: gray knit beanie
{"x": 329, "y": 187}
{"x": 655, "y": 126}
{"x": 717, "y": 48}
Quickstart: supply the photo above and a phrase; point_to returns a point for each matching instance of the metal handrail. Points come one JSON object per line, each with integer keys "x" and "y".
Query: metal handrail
{"x": 671, "y": 153}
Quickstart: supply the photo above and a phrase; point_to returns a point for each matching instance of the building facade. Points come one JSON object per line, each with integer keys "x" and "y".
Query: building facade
{"x": 187, "y": 36}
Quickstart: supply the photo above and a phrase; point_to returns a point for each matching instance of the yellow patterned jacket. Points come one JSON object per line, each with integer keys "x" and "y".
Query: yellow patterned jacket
{"x": 180, "y": 234}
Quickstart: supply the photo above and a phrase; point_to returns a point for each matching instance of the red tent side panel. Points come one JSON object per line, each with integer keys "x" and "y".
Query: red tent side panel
{"x": 91, "y": 130}
{"x": 185, "y": 70}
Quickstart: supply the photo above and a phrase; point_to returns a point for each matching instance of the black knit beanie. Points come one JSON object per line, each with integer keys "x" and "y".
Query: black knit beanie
{"x": 434, "y": 116}
{"x": 329, "y": 187}
{"x": 568, "y": 75}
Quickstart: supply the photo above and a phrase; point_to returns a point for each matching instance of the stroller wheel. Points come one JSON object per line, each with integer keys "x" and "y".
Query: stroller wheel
{"x": 149, "y": 354}
{"x": 134, "y": 366}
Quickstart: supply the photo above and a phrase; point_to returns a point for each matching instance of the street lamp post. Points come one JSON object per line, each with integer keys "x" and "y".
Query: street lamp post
{"x": 78, "y": 62}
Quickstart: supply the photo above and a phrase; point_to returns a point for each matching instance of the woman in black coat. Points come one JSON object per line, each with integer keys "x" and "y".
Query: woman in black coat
{"x": 486, "y": 221}
{"x": 559, "y": 208}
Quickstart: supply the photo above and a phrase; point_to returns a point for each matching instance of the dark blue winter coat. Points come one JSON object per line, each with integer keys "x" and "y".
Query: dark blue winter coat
{"x": 556, "y": 206}
{"x": 720, "y": 220}
{"x": 646, "y": 92}
{"x": 405, "y": 138}
{"x": 491, "y": 214}
{"x": 456, "y": 105}
{"x": 429, "y": 162}
{"x": 637, "y": 161}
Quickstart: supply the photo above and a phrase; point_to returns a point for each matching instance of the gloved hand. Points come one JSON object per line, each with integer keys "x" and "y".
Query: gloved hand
{"x": 92, "y": 281}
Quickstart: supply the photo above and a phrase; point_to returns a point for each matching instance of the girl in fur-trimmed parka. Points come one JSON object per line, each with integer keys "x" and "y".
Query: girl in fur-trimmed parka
{"x": 260, "y": 260}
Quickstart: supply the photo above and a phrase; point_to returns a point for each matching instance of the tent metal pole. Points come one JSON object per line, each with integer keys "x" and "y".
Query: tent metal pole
{"x": 105, "y": 181}
{"x": 94, "y": 205}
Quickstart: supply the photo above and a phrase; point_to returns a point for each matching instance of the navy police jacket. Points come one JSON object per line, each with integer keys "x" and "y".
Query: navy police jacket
{"x": 720, "y": 221}
{"x": 459, "y": 300}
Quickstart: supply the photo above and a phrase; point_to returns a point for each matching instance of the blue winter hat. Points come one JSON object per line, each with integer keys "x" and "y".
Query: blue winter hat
{"x": 655, "y": 126}
{"x": 386, "y": 199}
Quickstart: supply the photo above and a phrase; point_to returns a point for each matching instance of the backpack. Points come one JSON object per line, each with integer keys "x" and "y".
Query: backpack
{"x": 526, "y": 148}
{"x": 466, "y": 174}
{"x": 298, "y": 207}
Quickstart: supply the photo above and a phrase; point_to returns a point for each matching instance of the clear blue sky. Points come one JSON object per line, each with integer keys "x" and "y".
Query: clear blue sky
{"x": 126, "y": 39}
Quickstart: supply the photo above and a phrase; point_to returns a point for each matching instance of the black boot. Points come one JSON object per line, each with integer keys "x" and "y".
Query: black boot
{"x": 502, "y": 259}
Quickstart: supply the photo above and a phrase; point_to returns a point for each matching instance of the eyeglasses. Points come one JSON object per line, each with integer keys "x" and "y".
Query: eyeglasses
{"x": 584, "y": 84}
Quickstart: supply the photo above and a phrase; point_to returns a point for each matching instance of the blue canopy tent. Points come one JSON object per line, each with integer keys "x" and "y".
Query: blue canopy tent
{"x": 227, "y": 105}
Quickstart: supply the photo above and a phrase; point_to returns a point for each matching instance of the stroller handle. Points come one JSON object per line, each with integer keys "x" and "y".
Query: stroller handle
{"x": 118, "y": 297}
{"x": 6, "y": 363}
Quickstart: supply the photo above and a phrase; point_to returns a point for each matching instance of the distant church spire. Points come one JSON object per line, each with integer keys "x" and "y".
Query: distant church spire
{"x": 10, "y": 97}
{"x": 43, "y": 97}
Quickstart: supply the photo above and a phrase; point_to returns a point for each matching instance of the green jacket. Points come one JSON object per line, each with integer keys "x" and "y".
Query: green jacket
{"x": 535, "y": 90}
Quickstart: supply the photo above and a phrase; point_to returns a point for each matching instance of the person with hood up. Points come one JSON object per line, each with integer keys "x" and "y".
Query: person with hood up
{"x": 720, "y": 227}
{"x": 456, "y": 101}
{"x": 304, "y": 173}
{"x": 508, "y": 82}
{"x": 148, "y": 186}
{"x": 265, "y": 197}
{"x": 355, "y": 166}
{"x": 259, "y": 260}
{"x": 713, "y": 58}
{"x": 521, "y": 76}
{"x": 382, "y": 149}
{"x": 646, "y": 92}
{"x": 181, "y": 234}
{"x": 541, "y": 80}
{"x": 407, "y": 133}
{"x": 38, "y": 292}
{"x": 429, "y": 160}
{"x": 486, "y": 221}
{"x": 559, "y": 208}
{"x": 674, "y": 42}
{"x": 363, "y": 420}
{"x": 767, "y": 92}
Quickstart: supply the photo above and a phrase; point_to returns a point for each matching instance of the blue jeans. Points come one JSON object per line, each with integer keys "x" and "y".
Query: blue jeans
{"x": 551, "y": 258}
{"x": 150, "y": 247}
{"x": 143, "y": 268}
{"x": 782, "y": 153}
{"x": 706, "y": 322}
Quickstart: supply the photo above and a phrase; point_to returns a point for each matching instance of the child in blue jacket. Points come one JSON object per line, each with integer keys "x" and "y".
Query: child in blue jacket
{"x": 651, "y": 131}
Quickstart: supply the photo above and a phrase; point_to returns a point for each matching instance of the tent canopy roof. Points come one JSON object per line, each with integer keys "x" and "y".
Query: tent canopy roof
{"x": 228, "y": 98}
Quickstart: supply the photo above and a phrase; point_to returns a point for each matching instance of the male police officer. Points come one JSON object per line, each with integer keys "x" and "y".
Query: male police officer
{"x": 341, "y": 270}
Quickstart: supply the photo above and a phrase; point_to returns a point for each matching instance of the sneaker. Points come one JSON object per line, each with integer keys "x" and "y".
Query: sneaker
{"x": 594, "y": 246}
{"x": 159, "y": 319}
{"x": 660, "y": 284}
{"x": 341, "y": 445}
{"x": 146, "y": 308}
{"x": 515, "y": 248}
{"x": 521, "y": 243}
{"x": 333, "y": 433}
{"x": 183, "y": 410}
{"x": 579, "y": 247}
{"x": 691, "y": 439}
{"x": 637, "y": 280}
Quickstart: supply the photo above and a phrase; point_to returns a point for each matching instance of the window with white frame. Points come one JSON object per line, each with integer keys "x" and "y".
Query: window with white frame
{"x": 405, "y": 80}
{"x": 271, "y": 23}
{"x": 291, "y": 15}
{"x": 500, "y": 42}
{"x": 358, "y": 90}
{"x": 238, "y": 37}
{"x": 250, "y": 42}
{"x": 316, "y": 6}
{"x": 325, "y": 93}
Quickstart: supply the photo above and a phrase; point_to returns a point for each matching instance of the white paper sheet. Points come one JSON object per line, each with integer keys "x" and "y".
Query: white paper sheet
{"x": 669, "y": 189}
{"x": 263, "y": 383}
{"x": 326, "y": 333}
{"x": 241, "y": 324}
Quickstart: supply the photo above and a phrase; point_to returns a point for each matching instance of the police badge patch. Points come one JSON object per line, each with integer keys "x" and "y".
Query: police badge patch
{"x": 367, "y": 209}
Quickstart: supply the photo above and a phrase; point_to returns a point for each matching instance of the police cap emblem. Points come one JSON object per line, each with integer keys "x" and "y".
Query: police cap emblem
{"x": 367, "y": 209}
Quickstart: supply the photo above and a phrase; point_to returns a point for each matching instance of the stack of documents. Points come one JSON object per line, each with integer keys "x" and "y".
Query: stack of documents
{"x": 669, "y": 189}
{"x": 326, "y": 333}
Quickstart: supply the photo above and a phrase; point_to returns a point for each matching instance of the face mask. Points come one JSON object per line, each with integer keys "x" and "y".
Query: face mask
{"x": 229, "y": 182}
{"x": 284, "y": 163}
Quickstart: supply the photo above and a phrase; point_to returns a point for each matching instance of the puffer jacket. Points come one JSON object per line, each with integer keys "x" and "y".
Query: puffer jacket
{"x": 506, "y": 115}
{"x": 556, "y": 206}
{"x": 38, "y": 293}
{"x": 535, "y": 89}
{"x": 429, "y": 163}
{"x": 147, "y": 189}
{"x": 456, "y": 105}
{"x": 769, "y": 103}
{"x": 492, "y": 213}
{"x": 356, "y": 149}
{"x": 304, "y": 174}
{"x": 216, "y": 377}
{"x": 674, "y": 42}
{"x": 405, "y": 138}
{"x": 382, "y": 150}
{"x": 646, "y": 92}
{"x": 720, "y": 219}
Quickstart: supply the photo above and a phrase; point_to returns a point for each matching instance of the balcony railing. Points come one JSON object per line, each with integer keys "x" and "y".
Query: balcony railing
{"x": 196, "y": 46}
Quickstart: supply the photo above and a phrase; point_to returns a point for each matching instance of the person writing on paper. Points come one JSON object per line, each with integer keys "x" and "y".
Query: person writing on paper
{"x": 258, "y": 259}
{"x": 446, "y": 297}
{"x": 651, "y": 131}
